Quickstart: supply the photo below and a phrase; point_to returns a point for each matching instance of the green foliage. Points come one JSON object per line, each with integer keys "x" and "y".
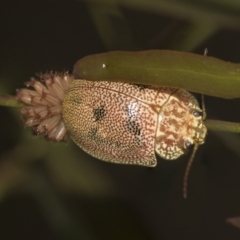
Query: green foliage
{"x": 193, "y": 72}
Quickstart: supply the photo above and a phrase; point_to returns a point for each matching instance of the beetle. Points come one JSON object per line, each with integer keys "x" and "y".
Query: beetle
{"x": 115, "y": 122}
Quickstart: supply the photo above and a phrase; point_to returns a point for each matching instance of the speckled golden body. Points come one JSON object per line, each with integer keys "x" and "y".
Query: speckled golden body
{"x": 127, "y": 123}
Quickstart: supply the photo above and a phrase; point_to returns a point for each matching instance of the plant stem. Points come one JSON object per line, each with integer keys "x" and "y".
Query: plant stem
{"x": 9, "y": 101}
{"x": 215, "y": 125}
{"x": 223, "y": 126}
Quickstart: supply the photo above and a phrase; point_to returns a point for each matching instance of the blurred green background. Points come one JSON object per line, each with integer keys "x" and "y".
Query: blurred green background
{"x": 56, "y": 191}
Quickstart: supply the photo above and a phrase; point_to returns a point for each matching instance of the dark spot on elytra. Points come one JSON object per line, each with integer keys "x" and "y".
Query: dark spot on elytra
{"x": 141, "y": 86}
{"x": 133, "y": 127}
{"x": 99, "y": 113}
{"x": 92, "y": 133}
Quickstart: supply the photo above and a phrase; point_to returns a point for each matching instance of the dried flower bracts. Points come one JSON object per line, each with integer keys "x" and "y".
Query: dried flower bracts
{"x": 44, "y": 110}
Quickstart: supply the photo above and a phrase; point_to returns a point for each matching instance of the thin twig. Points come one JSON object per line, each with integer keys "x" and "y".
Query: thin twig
{"x": 9, "y": 101}
{"x": 223, "y": 126}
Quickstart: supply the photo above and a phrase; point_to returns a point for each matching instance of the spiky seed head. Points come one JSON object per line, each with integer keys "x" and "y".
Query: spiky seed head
{"x": 44, "y": 104}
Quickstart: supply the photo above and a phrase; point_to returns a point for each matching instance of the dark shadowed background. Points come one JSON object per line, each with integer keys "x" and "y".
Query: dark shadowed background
{"x": 56, "y": 191}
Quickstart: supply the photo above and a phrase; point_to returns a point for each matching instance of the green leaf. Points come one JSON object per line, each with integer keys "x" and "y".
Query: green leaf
{"x": 197, "y": 73}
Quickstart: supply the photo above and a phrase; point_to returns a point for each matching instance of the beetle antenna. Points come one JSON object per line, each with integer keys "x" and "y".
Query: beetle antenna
{"x": 187, "y": 171}
{"x": 188, "y": 168}
{"x": 203, "y": 107}
{"x": 205, "y": 53}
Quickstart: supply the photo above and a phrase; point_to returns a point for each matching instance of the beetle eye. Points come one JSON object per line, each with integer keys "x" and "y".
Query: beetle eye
{"x": 197, "y": 113}
{"x": 187, "y": 144}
